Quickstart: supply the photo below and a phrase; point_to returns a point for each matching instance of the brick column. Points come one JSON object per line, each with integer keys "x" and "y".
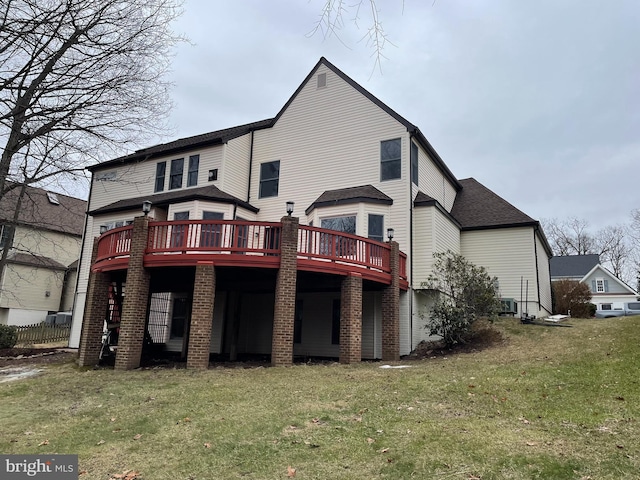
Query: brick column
{"x": 391, "y": 309}
{"x": 95, "y": 309}
{"x": 285, "y": 304}
{"x": 204, "y": 291}
{"x": 351, "y": 319}
{"x": 136, "y": 300}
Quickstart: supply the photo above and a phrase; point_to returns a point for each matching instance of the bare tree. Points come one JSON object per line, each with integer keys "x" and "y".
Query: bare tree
{"x": 570, "y": 236}
{"x": 77, "y": 77}
{"x": 614, "y": 249}
{"x": 332, "y": 21}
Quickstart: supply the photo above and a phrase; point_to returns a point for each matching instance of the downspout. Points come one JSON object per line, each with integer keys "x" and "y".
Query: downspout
{"x": 535, "y": 251}
{"x": 250, "y": 168}
{"x": 411, "y": 294}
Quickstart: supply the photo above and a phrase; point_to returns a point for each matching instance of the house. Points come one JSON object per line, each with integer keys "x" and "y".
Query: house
{"x": 608, "y": 291}
{"x": 42, "y": 260}
{"x": 308, "y": 234}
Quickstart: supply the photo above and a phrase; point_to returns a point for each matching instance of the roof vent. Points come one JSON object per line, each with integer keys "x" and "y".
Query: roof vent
{"x": 322, "y": 80}
{"x": 53, "y": 198}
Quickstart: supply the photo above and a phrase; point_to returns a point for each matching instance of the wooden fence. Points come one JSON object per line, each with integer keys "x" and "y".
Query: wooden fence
{"x": 43, "y": 333}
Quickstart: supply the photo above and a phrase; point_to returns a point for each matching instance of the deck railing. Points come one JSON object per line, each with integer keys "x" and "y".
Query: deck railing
{"x": 214, "y": 236}
{"x": 331, "y": 246}
{"x": 316, "y": 246}
{"x": 115, "y": 243}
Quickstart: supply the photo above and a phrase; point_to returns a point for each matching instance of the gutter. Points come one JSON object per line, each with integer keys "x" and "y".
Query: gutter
{"x": 250, "y": 168}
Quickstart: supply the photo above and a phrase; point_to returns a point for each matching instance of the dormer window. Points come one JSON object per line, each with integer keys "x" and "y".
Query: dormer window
{"x": 53, "y": 198}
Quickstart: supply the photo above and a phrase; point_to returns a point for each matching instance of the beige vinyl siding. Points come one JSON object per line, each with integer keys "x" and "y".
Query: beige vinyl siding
{"x": 62, "y": 248}
{"x": 371, "y": 325}
{"x": 433, "y": 232}
{"x": 544, "y": 277}
{"x": 68, "y": 291}
{"x": 422, "y": 304}
{"x": 433, "y": 182}
{"x": 233, "y": 178}
{"x": 447, "y": 234}
{"x": 506, "y": 253}
{"x": 424, "y": 243}
{"x": 26, "y": 287}
{"x": 327, "y": 139}
{"x": 405, "y": 324}
{"x": 138, "y": 179}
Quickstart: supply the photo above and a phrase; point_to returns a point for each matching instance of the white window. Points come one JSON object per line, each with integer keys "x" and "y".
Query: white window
{"x": 600, "y": 285}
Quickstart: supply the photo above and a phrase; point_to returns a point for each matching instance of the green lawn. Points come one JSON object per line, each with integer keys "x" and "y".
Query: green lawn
{"x": 550, "y": 403}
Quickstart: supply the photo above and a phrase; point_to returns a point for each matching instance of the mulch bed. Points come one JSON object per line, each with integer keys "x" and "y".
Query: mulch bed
{"x": 11, "y": 357}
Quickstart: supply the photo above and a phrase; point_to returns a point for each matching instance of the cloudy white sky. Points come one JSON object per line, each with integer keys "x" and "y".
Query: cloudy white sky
{"x": 538, "y": 100}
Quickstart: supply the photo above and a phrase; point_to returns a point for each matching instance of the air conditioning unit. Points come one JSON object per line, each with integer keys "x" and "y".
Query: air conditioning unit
{"x": 509, "y": 306}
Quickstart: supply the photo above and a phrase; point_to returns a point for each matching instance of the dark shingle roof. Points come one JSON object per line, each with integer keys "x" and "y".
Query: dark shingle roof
{"x": 422, "y": 200}
{"x": 476, "y": 207}
{"x": 38, "y": 211}
{"x": 222, "y": 136}
{"x": 188, "y": 143}
{"x": 341, "y": 196}
{"x": 572, "y": 265}
{"x": 210, "y": 192}
{"x": 32, "y": 260}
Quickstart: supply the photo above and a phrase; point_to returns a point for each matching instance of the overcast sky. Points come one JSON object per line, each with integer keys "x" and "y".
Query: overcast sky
{"x": 538, "y": 100}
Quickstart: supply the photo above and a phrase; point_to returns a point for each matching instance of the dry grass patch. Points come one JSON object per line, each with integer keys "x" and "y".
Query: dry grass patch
{"x": 544, "y": 402}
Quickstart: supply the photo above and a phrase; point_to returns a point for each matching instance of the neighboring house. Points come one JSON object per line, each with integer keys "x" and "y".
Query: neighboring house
{"x": 323, "y": 282}
{"x": 40, "y": 275}
{"x": 608, "y": 291}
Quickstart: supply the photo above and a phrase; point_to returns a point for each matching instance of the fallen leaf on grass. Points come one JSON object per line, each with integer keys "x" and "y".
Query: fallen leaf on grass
{"x": 44, "y": 442}
{"x": 291, "y": 472}
{"x": 126, "y": 475}
{"x": 384, "y": 450}
{"x": 370, "y": 440}
{"x": 531, "y": 444}
{"x": 186, "y": 419}
{"x": 113, "y": 419}
{"x": 82, "y": 472}
{"x": 207, "y": 445}
{"x": 620, "y": 447}
{"x": 101, "y": 442}
{"x": 137, "y": 436}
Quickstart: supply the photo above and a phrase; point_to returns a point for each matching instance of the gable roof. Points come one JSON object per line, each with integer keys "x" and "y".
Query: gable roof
{"x": 611, "y": 276}
{"x": 217, "y": 137}
{"x": 38, "y": 210}
{"x": 342, "y": 196}
{"x": 476, "y": 208}
{"x": 572, "y": 265}
{"x": 411, "y": 128}
{"x": 210, "y": 192}
{"x": 222, "y": 136}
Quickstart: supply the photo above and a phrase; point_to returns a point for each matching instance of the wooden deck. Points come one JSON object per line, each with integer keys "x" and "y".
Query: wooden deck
{"x": 249, "y": 244}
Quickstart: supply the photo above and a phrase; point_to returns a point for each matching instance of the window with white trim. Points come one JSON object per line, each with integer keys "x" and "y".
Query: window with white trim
{"x": 161, "y": 169}
{"x": 175, "y": 177}
{"x": 192, "y": 176}
{"x": 390, "y": 159}
{"x": 269, "y": 179}
{"x": 375, "y": 227}
{"x": 600, "y": 286}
